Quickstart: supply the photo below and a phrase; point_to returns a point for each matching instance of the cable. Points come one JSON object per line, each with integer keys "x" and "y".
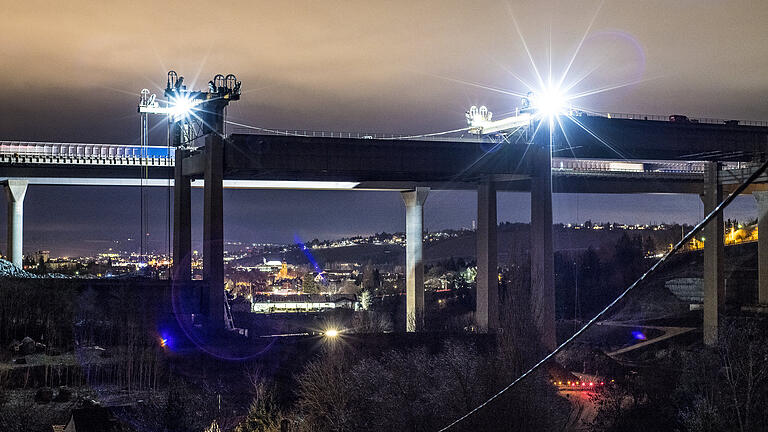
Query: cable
{"x": 653, "y": 268}
{"x": 273, "y": 131}
{"x": 168, "y": 209}
{"x": 142, "y": 157}
{"x": 305, "y": 134}
{"x": 430, "y": 134}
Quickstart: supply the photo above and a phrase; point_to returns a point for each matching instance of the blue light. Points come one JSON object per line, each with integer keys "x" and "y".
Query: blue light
{"x": 309, "y": 256}
{"x": 166, "y": 341}
{"x": 638, "y": 335}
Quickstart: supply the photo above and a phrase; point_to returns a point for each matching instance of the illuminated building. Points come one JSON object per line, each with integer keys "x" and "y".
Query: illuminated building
{"x": 283, "y": 273}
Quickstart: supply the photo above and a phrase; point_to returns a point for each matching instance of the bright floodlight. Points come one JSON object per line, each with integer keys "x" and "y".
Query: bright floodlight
{"x": 332, "y": 333}
{"x": 545, "y": 104}
{"x": 182, "y": 106}
{"x": 549, "y": 102}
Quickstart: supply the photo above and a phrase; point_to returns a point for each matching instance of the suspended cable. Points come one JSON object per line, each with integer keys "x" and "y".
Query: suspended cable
{"x": 306, "y": 134}
{"x": 755, "y": 175}
{"x": 272, "y": 131}
{"x": 168, "y": 198}
{"x": 142, "y": 159}
{"x": 431, "y": 134}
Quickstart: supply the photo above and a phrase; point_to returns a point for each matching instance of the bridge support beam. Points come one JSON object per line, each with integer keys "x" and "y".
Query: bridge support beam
{"x": 15, "y": 190}
{"x": 182, "y": 221}
{"x": 714, "y": 251}
{"x": 762, "y": 246}
{"x": 213, "y": 229}
{"x": 542, "y": 249}
{"x": 414, "y": 263}
{"x": 487, "y": 300}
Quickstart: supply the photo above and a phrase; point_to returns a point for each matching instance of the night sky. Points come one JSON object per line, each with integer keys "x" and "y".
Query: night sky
{"x": 71, "y": 71}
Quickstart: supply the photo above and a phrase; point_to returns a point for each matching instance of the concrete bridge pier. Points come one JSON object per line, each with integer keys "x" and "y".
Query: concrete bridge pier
{"x": 542, "y": 248}
{"x": 213, "y": 229}
{"x": 15, "y": 190}
{"x": 182, "y": 221}
{"x": 762, "y": 246}
{"x": 414, "y": 263}
{"x": 714, "y": 251}
{"x": 487, "y": 300}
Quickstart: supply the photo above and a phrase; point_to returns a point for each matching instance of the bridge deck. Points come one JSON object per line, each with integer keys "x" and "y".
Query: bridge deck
{"x": 634, "y": 156}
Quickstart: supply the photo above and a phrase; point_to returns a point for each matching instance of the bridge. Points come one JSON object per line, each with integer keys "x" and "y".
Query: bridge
{"x": 92, "y": 164}
{"x": 630, "y": 156}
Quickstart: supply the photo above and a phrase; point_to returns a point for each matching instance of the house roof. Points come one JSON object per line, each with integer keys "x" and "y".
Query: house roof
{"x": 95, "y": 419}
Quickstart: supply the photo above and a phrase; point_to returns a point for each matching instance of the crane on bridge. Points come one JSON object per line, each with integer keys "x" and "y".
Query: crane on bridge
{"x": 534, "y": 107}
{"x": 190, "y": 115}
{"x": 193, "y": 114}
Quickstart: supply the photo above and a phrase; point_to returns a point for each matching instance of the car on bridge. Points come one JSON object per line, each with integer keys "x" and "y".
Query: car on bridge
{"x": 679, "y": 118}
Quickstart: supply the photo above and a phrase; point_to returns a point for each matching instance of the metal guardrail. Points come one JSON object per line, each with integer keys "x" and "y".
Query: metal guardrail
{"x": 639, "y": 166}
{"x": 691, "y": 119}
{"x": 83, "y": 149}
{"x": 83, "y": 154}
{"x": 473, "y": 138}
{"x": 356, "y": 135}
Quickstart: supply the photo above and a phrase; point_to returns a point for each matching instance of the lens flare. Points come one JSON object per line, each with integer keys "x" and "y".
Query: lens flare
{"x": 549, "y": 102}
{"x": 182, "y": 106}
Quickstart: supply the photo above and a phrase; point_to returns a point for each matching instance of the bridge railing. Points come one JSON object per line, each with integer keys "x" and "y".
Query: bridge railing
{"x": 639, "y": 166}
{"x": 692, "y": 119}
{"x": 86, "y": 151}
{"x": 358, "y": 135}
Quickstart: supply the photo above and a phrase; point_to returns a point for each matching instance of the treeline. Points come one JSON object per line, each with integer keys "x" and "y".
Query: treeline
{"x": 698, "y": 389}
{"x": 41, "y": 309}
{"x": 586, "y": 281}
{"x": 112, "y": 332}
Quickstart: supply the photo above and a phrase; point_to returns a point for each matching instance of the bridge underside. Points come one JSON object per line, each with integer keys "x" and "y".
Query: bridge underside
{"x": 560, "y": 184}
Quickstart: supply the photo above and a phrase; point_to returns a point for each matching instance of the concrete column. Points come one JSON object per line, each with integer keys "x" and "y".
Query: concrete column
{"x": 542, "y": 250}
{"x": 182, "y": 221}
{"x": 414, "y": 264}
{"x": 213, "y": 229}
{"x": 15, "y": 190}
{"x": 714, "y": 251}
{"x": 487, "y": 300}
{"x": 762, "y": 246}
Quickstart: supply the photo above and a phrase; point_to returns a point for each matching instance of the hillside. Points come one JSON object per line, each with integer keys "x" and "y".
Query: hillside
{"x": 513, "y": 240}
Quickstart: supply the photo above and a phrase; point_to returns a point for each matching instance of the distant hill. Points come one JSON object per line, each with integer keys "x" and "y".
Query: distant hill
{"x": 513, "y": 240}
{"x": 652, "y": 299}
{"x": 364, "y": 253}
